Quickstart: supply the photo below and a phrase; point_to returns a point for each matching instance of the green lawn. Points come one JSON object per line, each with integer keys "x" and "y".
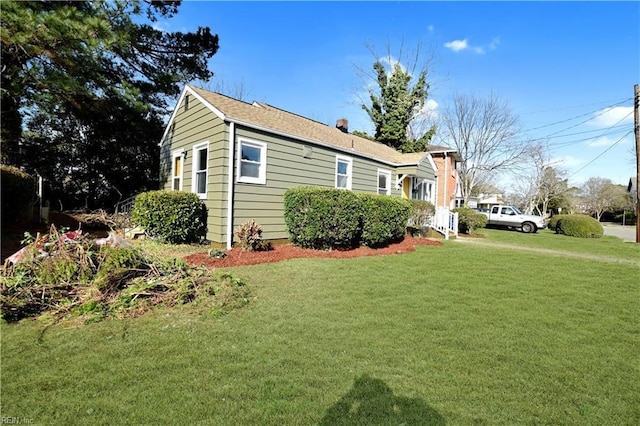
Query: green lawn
{"x": 459, "y": 334}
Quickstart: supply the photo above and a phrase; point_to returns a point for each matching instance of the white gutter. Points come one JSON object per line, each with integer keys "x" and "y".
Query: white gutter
{"x": 230, "y": 188}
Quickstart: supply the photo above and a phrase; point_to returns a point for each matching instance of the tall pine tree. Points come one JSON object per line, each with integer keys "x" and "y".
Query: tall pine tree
{"x": 84, "y": 85}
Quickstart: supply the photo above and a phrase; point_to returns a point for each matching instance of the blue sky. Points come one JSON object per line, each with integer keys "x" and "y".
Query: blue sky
{"x": 567, "y": 69}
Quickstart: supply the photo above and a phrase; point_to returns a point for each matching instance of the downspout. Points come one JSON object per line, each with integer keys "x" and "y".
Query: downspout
{"x": 445, "y": 190}
{"x": 230, "y": 186}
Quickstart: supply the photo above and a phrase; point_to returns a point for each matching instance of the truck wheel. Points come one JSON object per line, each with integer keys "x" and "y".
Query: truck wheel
{"x": 528, "y": 227}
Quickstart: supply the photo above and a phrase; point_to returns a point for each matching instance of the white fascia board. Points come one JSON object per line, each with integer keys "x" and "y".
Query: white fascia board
{"x": 190, "y": 91}
{"x": 433, "y": 163}
{"x": 349, "y": 151}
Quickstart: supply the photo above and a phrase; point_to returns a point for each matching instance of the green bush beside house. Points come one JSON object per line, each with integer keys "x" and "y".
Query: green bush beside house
{"x": 322, "y": 218}
{"x": 170, "y": 216}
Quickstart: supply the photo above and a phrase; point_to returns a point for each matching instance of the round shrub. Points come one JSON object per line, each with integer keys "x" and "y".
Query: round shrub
{"x": 171, "y": 216}
{"x": 18, "y": 194}
{"x": 384, "y": 219}
{"x": 469, "y": 220}
{"x": 322, "y": 218}
{"x": 579, "y": 225}
{"x": 421, "y": 212}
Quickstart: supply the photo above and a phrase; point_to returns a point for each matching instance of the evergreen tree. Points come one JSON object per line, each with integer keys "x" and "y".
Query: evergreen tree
{"x": 90, "y": 84}
{"x": 396, "y": 104}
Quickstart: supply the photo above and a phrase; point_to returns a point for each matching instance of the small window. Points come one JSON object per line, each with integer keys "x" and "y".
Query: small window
{"x": 384, "y": 182}
{"x": 343, "y": 172}
{"x": 200, "y": 169}
{"x": 252, "y": 162}
{"x": 176, "y": 171}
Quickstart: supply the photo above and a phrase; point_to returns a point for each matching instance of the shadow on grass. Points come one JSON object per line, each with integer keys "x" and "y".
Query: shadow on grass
{"x": 372, "y": 402}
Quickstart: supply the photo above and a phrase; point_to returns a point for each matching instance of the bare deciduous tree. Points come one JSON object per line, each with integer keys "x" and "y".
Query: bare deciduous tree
{"x": 540, "y": 185}
{"x": 484, "y": 132}
{"x": 600, "y": 195}
{"x": 237, "y": 90}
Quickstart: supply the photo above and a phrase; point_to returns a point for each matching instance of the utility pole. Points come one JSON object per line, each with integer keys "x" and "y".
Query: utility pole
{"x": 636, "y": 124}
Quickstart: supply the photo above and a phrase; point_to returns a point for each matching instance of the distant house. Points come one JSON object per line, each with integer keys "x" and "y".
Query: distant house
{"x": 487, "y": 196}
{"x": 240, "y": 158}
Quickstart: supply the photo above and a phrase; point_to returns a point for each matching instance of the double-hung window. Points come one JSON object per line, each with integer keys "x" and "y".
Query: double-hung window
{"x": 252, "y": 161}
{"x": 176, "y": 170}
{"x": 344, "y": 172}
{"x": 384, "y": 182}
{"x": 200, "y": 169}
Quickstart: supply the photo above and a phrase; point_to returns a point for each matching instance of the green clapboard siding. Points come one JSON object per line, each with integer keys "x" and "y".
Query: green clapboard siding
{"x": 290, "y": 163}
{"x": 287, "y": 166}
{"x": 192, "y": 127}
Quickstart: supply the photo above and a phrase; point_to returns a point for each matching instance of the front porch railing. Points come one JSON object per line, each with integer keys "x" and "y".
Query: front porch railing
{"x": 445, "y": 222}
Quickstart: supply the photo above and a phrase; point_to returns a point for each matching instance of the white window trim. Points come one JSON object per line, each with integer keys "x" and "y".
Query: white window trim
{"x": 262, "y": 177}
{"x": 349, "y": 161}
{"x": 194, "y": 171}
{"x": 177, "y": 153}
{"x": 420, "y": 181}
{"x": 387, "y": 173}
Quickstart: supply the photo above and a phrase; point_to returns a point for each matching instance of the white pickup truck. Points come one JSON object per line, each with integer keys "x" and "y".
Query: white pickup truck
{"x": 511, "y": 217}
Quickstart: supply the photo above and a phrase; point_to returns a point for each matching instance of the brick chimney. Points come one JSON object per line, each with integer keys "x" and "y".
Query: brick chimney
{"x": 343, "y": 125}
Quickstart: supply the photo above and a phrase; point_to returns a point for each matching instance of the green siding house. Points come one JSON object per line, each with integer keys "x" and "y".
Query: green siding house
{"x": 240, "y": 158}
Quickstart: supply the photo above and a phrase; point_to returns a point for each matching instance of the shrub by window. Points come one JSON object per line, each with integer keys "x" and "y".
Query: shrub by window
{"x": 322, "y": 218}
{"x": 384, "y": 219}
{"x": 421, "y": 213}
{"x": 171, "y": 216}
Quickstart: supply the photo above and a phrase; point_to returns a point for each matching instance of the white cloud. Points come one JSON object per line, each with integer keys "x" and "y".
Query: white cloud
{"x": 566, "y": 161}
{"x": 611, "y": 116}
{"x": 457, "y": 45}
{"x": 601, "y": 141}
{"x": 460, "y": 45}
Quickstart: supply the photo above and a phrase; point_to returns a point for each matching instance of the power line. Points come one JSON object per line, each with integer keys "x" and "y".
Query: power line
{"x": 601, "y": 154}
{"x": 577, "y": 141}
{"x": 617, "y": 102}
{"x": 602, "y": 111}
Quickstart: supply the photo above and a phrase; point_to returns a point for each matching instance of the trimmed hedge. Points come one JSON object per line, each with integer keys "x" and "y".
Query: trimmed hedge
{"x": 578, "y": 225}
{"x": 171, "y": 216}
{"x": 469, "y": 220}
{"x": 325, "y": 218}
{"x": 18, "y": 194}
{"x": 322, "y": 218}
{"x": 384, "y": 219}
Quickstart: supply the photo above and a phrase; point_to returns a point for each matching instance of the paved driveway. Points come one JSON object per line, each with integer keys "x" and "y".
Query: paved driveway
{"x": 627, "y": 233}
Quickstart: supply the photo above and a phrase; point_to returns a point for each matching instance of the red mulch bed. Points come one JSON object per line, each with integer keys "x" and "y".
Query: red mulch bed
{"x": 237, "y": 257}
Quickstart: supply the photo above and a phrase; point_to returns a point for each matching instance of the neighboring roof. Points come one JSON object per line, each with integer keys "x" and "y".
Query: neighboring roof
{"x": 267, "y": 117}
{"x": 439, "y": 149}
